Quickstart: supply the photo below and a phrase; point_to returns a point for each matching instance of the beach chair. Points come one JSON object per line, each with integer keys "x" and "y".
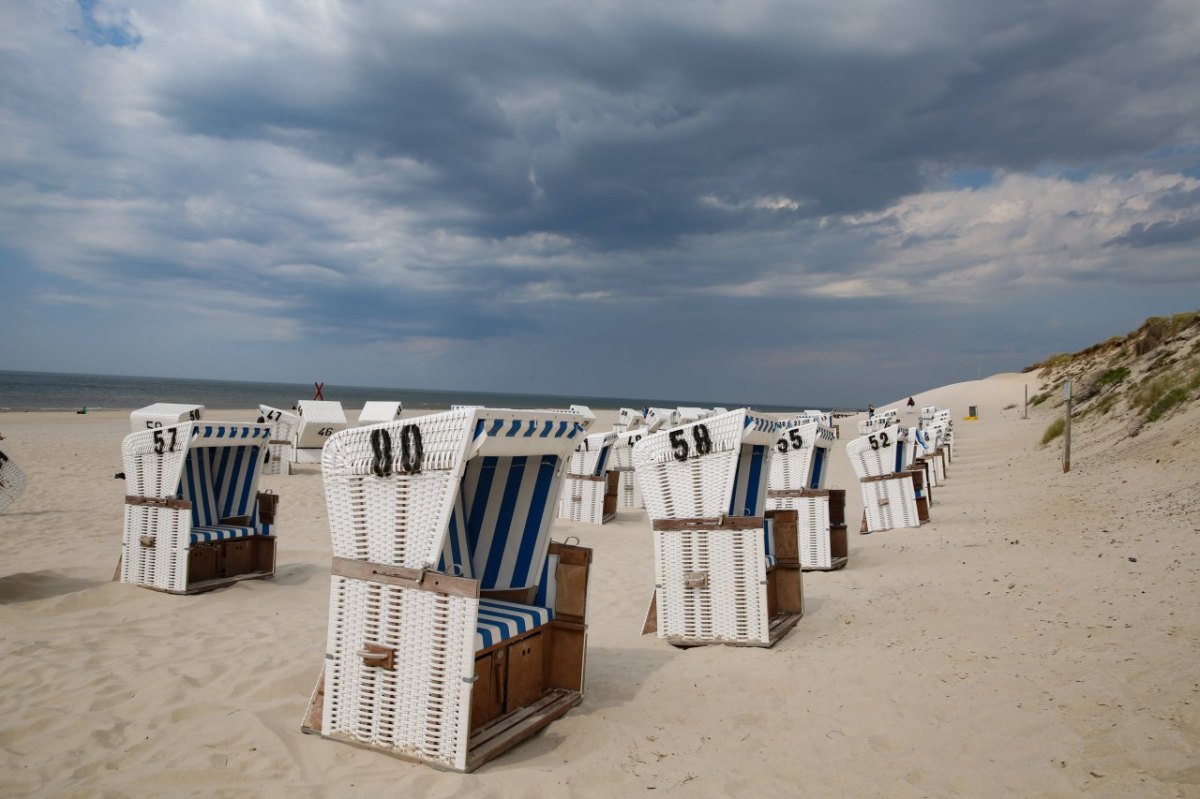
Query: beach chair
{"x": 194, "y": 517}
{"x": 620, "y": 462}
{"x": 629, "y": 419}
{"x": 319, "y": 419}
{"x": 457, "y": 629}
{"x": 12, "y": 482}
{"x": 889, "y": 492}
{"x": 284, "y": 427}
{"x": 687, "y": 415}
{"x": 658, "y": 418}
{"x": 379, "y": 412}
{"x": 724, "y": 573}
{"x": 797, "y": 482}
{"x": 589, "y": 489}
{"x": 162, "y": 414}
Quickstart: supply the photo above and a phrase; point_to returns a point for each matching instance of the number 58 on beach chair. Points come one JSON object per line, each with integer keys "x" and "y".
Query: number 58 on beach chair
{"x": 457, "y": 629}
{"x": 725, "y": 571}
{"x": 194, "y": 518}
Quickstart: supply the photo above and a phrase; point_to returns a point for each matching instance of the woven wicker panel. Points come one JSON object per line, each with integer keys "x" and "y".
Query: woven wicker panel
{"x": 700, "y": 485}
{"x": 12, "y": 482}
{"x": 812, "y": 528}
{"x": 732, "y": 607}
{"x": 869, "y": 461}
{"x": 397, "y": 519}
{"x": 890, "y": 503}
{"x": 629, "y": 496}
{"x": 284, "y": 426}
{"x": 420, "y": 708}
{"x": 592, "y": 454}
{"x": 582, "y": 501}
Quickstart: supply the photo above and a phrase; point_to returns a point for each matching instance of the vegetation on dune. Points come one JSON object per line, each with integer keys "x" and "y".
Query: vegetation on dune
{"x": 1147, "y": 374}
{"x": 1054, "y": 430}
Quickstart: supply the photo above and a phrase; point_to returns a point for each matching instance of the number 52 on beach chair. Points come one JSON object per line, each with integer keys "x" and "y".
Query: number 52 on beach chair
{"x": 457, "y": 629}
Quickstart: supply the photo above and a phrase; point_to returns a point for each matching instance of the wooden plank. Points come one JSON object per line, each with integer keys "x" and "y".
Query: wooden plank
{"x": 565, "y": 657}
{"x": 311, "y": 724}
{"x": 591, "y": 478}
{"x": 159, "y": 502}
{"x": 526, "y": 681}
{"x": 651, "y": 623}
{"x": 716, "y": 523}
{"x": 789, "y": 590}
{"x": 406, "y": 578}
{"x": 881, "y": 477}
{"x": 507, "y": 732}
{"x": 783, "y": 493}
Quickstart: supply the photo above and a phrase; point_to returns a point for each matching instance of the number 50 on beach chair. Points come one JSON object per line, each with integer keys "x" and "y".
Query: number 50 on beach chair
{"x": 722, "y": 575}
{"x": 457, "y": 629}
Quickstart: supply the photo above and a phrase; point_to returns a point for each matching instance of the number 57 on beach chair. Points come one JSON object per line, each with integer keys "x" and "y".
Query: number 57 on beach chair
{"x": 723, "y": 573}
{"x": 457, "y": 629}
{"x": 194, "y": 518}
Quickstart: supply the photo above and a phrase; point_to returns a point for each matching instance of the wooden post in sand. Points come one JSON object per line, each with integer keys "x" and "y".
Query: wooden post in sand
{"x": 1025, "y": 413}
{"x": 1067, "y": 429}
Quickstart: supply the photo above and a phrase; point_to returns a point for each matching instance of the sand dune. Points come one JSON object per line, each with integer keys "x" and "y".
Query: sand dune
{"x": 1012, "y": 646}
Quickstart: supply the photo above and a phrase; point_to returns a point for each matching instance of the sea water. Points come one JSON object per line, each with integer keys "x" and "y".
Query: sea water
{"x": 48, "y": 391}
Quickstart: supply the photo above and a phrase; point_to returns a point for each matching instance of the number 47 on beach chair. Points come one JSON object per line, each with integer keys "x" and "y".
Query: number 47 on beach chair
{"x": 457, "y": 629}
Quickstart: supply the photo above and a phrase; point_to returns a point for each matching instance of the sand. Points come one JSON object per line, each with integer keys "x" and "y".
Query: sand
{"x": 1010, "y": 647}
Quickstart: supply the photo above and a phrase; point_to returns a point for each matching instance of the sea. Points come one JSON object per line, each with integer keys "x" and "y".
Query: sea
{"x": 49, "y": 391}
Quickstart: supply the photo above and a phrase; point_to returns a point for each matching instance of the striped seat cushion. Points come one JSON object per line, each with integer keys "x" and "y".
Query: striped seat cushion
{"x": 769, "y": 541}
{"x": 499, "y": 621}
{"x": 220, "y": 532}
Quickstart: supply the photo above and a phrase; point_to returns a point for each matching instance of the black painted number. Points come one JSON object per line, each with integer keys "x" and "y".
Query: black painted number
{"x": 412, "y": 452}
{"x": 700, "y": 437}
{"x": 793, "y": 438}
{"x": 882, "y": 441}
{"x": 161, "y": 444}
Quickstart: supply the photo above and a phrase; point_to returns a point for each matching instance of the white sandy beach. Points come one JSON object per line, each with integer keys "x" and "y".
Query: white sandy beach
{"x": 1010, "y": 647}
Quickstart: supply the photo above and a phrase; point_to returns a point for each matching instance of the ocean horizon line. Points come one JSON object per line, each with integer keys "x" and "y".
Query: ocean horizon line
{"x": 26, "y": 391}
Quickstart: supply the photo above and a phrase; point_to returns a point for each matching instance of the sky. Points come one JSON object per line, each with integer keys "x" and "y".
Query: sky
{"x": 789, "y": 203}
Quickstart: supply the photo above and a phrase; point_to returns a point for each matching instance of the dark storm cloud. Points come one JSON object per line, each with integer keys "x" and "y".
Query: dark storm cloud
{"x": 1159, "y": 234}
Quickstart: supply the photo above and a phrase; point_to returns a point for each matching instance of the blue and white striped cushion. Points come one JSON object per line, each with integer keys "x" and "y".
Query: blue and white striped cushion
{"x": 456, "y": 550}
{"x": 499, "y": 621}
{"x": 223, "y": 532}
{"x": 547, "y": 593}
{"x": 196, "y": 486}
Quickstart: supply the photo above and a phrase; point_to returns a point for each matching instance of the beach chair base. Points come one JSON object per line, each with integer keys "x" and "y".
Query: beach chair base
{"x": 222, "y": 563}
{"x": 820, "y": 525}
{"x": 780, "y": 603}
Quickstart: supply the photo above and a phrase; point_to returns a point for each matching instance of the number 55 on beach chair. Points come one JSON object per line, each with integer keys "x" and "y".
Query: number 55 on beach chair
{"x": 722, "y": 575}
{"x": 194, "y": 518}
{"x": 457, "y": 629}
{"x": 797, "y": 482}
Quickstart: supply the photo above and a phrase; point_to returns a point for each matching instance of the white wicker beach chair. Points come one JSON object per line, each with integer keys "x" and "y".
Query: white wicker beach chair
{"x": 590, "y": 490}
{"x": 723, "y": 576}
{"x": 319, "y": 419}
{"x": 284, "y": 427}
{"x": 194, "y": 518}
{"x": 457, "y": 629}
{"x": 687, "y": 415}
{"x": 620, "y": 462}
{"x": 889, "y": 492}
{"x": 659, "y": 418}
{"x": 629, "y": 419}
{"x": 162, "y": 414}
{"x": 12, "y": 482}
{"x": 797, "y": 482}
{"x": 379, "y": 412}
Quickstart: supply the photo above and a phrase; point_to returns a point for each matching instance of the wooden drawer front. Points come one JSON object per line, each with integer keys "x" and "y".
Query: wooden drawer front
{"x": 239, "y": 557}
{"x": 204, "y": 562}
{"x": 526, "y": 671}
{"x": 487, "y": 697}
